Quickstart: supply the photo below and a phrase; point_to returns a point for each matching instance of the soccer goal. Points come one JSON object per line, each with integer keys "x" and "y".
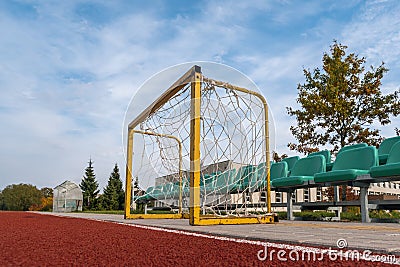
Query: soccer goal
{"x": 200, "y": 151}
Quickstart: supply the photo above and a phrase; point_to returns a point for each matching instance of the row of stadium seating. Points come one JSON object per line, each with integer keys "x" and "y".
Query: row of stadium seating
{"x": 232, "y": 181}
{"x": 351, "y": 162}
{"x": 354, "y": 164}
{"x": 383, "y": 152}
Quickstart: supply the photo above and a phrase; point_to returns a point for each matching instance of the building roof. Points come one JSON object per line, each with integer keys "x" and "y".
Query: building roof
{"x": 68, "y": 185}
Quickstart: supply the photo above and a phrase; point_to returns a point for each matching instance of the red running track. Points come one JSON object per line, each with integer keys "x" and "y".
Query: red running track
{"x": 30, "y": 239}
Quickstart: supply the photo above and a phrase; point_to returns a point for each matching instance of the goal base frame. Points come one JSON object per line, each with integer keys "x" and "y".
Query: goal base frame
{"x": 154, "y": 216}
{"x": 265, "y": 219}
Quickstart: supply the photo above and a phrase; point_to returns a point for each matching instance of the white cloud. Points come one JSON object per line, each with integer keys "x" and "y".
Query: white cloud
{"x": 375, "y": 32}
{"x": 66, "y": 76}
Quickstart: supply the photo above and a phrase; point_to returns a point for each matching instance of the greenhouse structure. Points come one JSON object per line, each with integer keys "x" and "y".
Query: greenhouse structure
{"x": 67, "y": 197}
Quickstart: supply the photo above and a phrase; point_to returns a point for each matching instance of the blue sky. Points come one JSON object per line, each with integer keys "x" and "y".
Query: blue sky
{"x": 68, "y": 69}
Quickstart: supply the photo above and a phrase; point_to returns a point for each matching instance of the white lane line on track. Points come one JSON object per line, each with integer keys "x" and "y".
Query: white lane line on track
{"x": 239, "y": 240}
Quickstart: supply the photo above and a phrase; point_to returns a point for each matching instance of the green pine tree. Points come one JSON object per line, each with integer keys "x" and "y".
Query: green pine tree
{"x": 114, "y": 195}
{"x": 120, "y": 190}
{"x": 89, "y": 186}
{"x": 136, "y": 184}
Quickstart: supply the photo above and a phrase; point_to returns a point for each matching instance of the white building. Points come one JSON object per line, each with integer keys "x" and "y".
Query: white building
{"x": 67, "y": 197}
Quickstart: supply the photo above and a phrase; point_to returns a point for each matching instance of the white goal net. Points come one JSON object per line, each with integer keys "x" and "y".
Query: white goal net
{"x": 233, "y": 152}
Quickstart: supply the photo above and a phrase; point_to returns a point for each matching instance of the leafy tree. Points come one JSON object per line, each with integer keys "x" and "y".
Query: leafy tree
{"x": 350, "y": 195}
{"x": 2, "y": 205}
{"x": 340, "y": 103}
{"x": 89, "y": 186}
{"x": 397, "y": 130}
{"x": 46, "y": 202}
{"x": 47, "y": 192}
{"x": 114, "y": 196}
{"x": 20, "y": 197}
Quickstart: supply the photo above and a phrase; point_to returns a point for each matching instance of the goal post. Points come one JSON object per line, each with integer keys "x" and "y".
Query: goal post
{"x": 172, "y": 90}
{"x": 219, "y": 158}
{"x": 195, "y": 123}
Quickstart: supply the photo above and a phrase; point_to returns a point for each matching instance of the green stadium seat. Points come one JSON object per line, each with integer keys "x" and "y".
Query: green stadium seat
{"x": 345, "y": 148}
{"x": 327, "y": 155}
{"x": 303, "y": 172}
{"x": 144, "y": 197}
{"x": 291, "y": 161}
{"x": 329, "y": 166}
{"x": 258, "y": 180}
{"x": 147, "y": 196}
{"x": 243, "y": 175}
{"x": 206, "y": 181}
{"x": 349, "y": 164}
{"x": 171, "y": 190}
{"x": 165, "y": 191}
{"x": 385, "y": 147}
{"x": 222, "y": 184}
{"x": 185, "y": 187}
{"x": 392, "y": 166}
{"x": 157, "y": 192}
{"x": 353, "y": 146}
{"x": 277, "y": 170}
{"x": 149, "y": 191}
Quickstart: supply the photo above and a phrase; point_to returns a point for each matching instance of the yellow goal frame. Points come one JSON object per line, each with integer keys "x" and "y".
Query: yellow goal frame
{"x": 195, "y": 78}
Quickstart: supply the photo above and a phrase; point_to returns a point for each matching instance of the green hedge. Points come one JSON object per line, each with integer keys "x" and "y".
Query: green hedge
{"x": 350, "y": 216}
{"x": 282, "y": 215}
{"x": 119, "y": 212}
{"x": 381, "y": 214}
{"x": 314, "y": 215}
{"x": 375, "y": 214}
{"x": 307, "y": 215}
